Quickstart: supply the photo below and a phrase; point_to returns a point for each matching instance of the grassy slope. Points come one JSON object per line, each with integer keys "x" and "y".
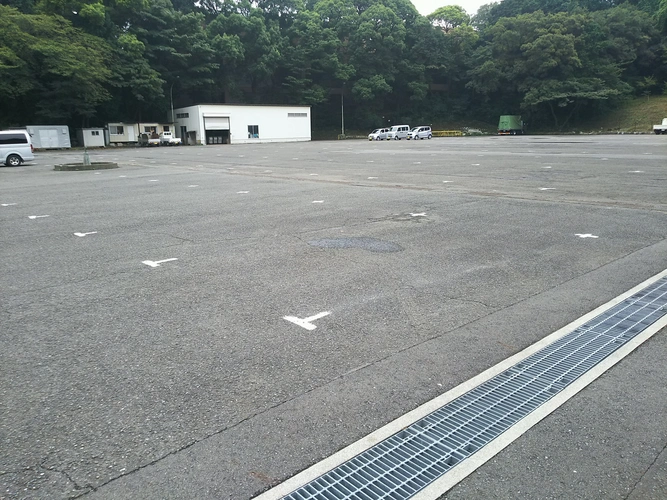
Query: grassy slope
{"x": 636, "y": 115}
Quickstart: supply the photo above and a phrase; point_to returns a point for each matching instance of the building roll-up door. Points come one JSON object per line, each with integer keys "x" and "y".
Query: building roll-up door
{"x": 216, "y": 123}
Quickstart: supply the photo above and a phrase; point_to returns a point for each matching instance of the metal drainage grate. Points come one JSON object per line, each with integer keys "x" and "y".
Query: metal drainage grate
{"x": 405, "y": 463}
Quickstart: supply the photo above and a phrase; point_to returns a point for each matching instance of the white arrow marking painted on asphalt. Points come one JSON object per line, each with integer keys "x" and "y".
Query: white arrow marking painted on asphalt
{"x": 8, "y": 204}
{"x": 318, "y": 201}
{"x": 156, "y": 263}
{"x": 423, "y": 214}
{"x": 586, "y": 235}
{"x": 81, "y": 235}
{"x": 306, "y": 322}
{"x": 242, "y": 192}
{"x": 37, "y": 216}
{"x": 547, "y": 189}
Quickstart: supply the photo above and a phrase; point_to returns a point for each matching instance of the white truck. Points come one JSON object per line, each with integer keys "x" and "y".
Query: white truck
{"x": 168, "y": 139}
{"x": 661, "y": 129}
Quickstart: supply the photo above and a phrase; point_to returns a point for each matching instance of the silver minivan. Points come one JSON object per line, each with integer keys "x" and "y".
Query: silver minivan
{"x": 15, "y": 147}
{"x": 398, "y": 132}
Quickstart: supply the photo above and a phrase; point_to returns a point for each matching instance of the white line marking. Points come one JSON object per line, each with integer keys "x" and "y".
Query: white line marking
{"x": 294, "y": 158}
{"x": 268, "y": 171}
{"x": 475, "y": 164}
{"x": 156, "y": 263}
{"x": 37, "y": 216}
{"x": 547, "y": 189}
{"x": 8, "y": 204}
{"x": 586, "y": 235}
{"x": 98, "y": 173}
{"x": 372, "y": 177}
{"x": 81, "y": 235}
{"x": 153, "y": 180}
{"x": 306, "y": 322}
{"x": 486, "y": 453}
{"x": 446, "y": 182}
{"x": 604, "y": 158}
{"x": 242, "y": 192}
{"x": 122, "y": 176}
{"x": 318, "y": 201}
{"x": 370, "y": 161}
{"x": 313, "y": 174}
{"x": 417, "y": 163}
{"x": 193, "y": 185}
{"x": 635, "y": 171}
{"x": 423, "y": 214}
{"x": 546, "y": 167}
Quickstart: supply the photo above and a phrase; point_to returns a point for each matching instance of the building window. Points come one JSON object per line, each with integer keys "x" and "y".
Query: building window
{"x": 165, "y": 128}
{"x": 297, "y": 115}
{"x": 253, "y": 131}
{"x": 150, "y": 129}
{"x": 94, "y": 132}
{"x": 116, "y": 130}
{"x": 182, "y": 115}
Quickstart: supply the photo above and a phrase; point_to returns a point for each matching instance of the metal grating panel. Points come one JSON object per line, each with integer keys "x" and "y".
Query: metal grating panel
{"x": 403, "y": 464}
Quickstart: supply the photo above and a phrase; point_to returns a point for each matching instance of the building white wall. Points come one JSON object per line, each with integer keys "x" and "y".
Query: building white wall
{"x": 49, "y": 136}
{"x": 130, "y": 132}
{"x": 91, "y": 137}
{"x": 274, "y": 122}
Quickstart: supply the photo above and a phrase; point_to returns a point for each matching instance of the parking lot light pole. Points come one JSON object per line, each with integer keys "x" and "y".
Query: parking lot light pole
{"x": 342, "y": 111}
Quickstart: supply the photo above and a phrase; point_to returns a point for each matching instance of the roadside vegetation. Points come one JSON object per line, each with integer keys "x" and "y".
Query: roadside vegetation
{"x": 562, "y": 64}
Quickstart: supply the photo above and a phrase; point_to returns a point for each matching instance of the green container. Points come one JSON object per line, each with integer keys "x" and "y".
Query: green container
{"x": 510, "y": 125}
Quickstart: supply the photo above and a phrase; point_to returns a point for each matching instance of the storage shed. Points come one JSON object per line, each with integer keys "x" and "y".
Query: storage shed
{"x": 242, "y": 124}
{"x": 90, "y": 137}
{"x": 49, "y": 136}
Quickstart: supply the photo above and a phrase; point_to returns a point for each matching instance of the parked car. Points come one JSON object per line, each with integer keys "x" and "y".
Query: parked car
{"x": 423, "y": 132}
{"x": 398, "y": 132}
{"x": 15, "y": 147}
{"x": 379, "y": 134}
{"x": 167, "y": 138}
{"x": 149, "y": 139}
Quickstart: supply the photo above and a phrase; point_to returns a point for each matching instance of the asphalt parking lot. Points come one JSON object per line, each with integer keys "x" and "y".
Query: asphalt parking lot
{"x": 144, "y": 350}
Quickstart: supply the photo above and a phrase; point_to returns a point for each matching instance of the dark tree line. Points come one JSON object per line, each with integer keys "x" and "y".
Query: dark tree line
{"x": 92, "y": 61}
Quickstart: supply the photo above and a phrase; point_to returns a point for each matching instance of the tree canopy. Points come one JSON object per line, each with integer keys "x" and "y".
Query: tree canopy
{"x": 85, "y": 62}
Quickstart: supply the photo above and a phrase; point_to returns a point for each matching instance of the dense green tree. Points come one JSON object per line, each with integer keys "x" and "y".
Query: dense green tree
{"x": 50, "y": 70}
{"x": 449, "y": 17}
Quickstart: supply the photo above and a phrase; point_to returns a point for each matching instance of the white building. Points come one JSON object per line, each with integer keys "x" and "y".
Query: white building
{"x": 49, "y": 136}
{"x": 90, "y": 137}
{"x": 128, "y": 133}
{"x": 242, "y": 124}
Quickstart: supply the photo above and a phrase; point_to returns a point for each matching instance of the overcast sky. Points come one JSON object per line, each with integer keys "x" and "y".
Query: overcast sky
{"x": 425, "y": 7}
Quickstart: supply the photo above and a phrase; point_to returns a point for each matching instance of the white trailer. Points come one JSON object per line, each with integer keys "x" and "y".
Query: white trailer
{"x": 213, "y": 124}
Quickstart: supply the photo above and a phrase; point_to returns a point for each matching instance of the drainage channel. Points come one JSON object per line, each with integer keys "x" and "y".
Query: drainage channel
{"x": 402, "y": 465}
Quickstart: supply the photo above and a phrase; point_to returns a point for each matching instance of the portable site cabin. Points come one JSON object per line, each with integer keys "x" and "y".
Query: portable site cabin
{"x": 49, "y": 136}
{"x": 242, "y": 124}
{"x": 90, "y": 137}
{"x": 122, "y": 133}
{"x": 119, "y": 133}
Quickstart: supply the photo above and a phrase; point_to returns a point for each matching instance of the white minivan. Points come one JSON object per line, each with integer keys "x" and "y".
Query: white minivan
{"x": 398, "y": 132}
{"x": 15, "y": 147}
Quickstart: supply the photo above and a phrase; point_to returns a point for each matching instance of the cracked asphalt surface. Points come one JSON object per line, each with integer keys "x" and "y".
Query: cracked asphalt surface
{"x": 118, "y": 380}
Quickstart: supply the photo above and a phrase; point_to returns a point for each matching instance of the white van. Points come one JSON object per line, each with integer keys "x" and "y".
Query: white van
{"x": 15, "y": 147}
{"x": 398, "y": 132}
